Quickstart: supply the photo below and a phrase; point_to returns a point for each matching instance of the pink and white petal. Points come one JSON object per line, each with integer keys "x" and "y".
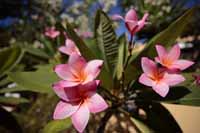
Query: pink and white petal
{"x": 81, "y": 117}
{"x": 65, "y": 83}
{"x": 64, "y": 72}
{"x": 64, "y": 110}
{"x": 93, "y": 68}
{"x": 182, "y": 64}
{"x": 96, "y": 103}
{"x": 89, "y": 87}
{"x": 67, "y": 94}
{"x": 131, "y": 15}
{"x": 157, "y": 59}
{"x": 76, "y": 62}
{"x": 144, "y": 79}
{"x": 142, "y": 22}
{"x": 65, "y": 50}
{"x": 161, "y": 88}
{"x": 173, "y": 79}
{"x": 149, "y": 67}
{"x": 117, "y": 17}
{"x": 131, "y": 26}
{"x": 174, "y": 53}
{"x": 162, "y": 53}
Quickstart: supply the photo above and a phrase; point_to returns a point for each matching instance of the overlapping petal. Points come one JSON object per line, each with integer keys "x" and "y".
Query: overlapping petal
{"x": 80, "y": 118}
{"x": 96, "y": 103}
{"x": 64, "y": 110}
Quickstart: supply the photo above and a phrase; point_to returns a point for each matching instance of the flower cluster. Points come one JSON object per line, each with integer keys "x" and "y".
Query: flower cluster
{"x": 161, "y": 78}
{"x": 77, "y": 89}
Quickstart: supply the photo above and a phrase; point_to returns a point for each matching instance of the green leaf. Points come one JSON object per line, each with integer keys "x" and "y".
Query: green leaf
{"x": 158, "y": 117}
{"x": 9, "y": 58}
{"x": 122, "y": 56}
{"x": 57, "y": 126}
{"x": 38, "y": 81}
{"x": 106, "y": 40}
{"x": 12, "y": 100}
{"x": 141, "y": 126}
{"x": 36, "y": 52}
{"x": 168, "y": 36}
{"x": 14, "y": 89}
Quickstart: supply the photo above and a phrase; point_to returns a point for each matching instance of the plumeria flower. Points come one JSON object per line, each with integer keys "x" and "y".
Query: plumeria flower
{"x": 69, "y": 48}
{"x": 77, "y": 103}
{"x": 131, "y": 20}
{"x": 158, "y": 78}
{"x": 170, "y": 59}
{"x": 77, "y": 71}
{"x": 51, "y": 32}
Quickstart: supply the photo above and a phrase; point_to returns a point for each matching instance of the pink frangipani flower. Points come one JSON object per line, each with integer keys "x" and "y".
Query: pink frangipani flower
{"x": 69, "y": 48}
{"x": 170, "y": 60}
{"x": 77, "y": 102}
{"x": 51, "y": 32}
{"x": 77, "y": 71}
{"x": 158, "y": 78}
{"x": 131, "y": 20}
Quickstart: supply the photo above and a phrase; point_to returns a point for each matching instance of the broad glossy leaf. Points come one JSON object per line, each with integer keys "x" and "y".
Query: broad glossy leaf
{"x": 106, "y": 40}
{"x": 12, "y": 100}
{"x": 56, "y": 126}
{"x": 9, "y": 57}
{"x": 38, "y": 81}
{"x": 158, "y": 117}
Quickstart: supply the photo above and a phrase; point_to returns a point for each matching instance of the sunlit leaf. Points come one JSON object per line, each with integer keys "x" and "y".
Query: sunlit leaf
{"x": 12, "y": 100}
{"x": 38, "y": 81}
{"x": 9, "y": 57}
{"x": 56, "y": 126}
{"x": 106, "y": 40}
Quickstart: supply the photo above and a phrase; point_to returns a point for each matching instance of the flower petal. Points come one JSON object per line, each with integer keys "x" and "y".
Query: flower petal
{"x": 144, "y": 79}
{"x": 65, "y": 83}
{"x": 69, "y": 48}
{"x": 64, "y": 110}
{"x": 67, "y": 94}
{"x": 117, "y": 17}
{"x": 80, "y": 117}
{"x": 173, "y": 79}
{"x": 77, "y": 63}
{"x": 182, "y": 64}
{"x": 131, "y": 15}
{"x": 162, "y": 53}
{"x": 64, "y": 72}
{"x": 161, "y": 88}
{"x": 142, "y": 22}
{"x": 149, "y": 67}
{"x": 89, "y": 87}
{"x": 174, "y": 53}
{"x": 92, "y": 69}
{"x": 131, "y": 26}
{"x": 96, "y": 103}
